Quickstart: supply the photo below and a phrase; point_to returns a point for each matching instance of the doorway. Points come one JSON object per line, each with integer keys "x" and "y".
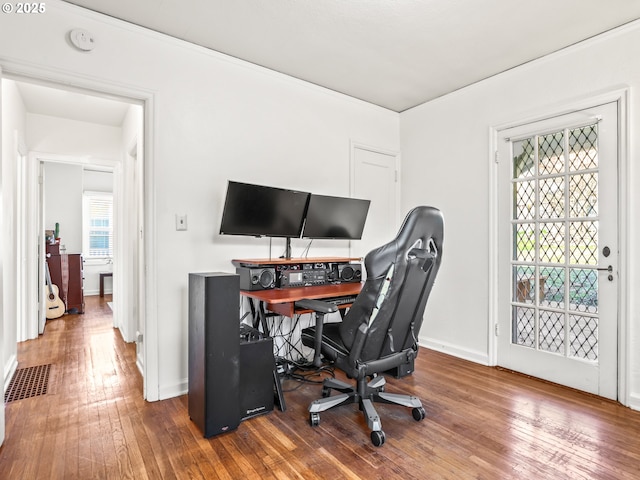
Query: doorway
{"x": 90, "y": 132}
{"x": 558, "y": 249}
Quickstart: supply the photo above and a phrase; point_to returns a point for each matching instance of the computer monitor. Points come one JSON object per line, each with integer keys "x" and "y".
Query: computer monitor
{"x": 335, "y": 217}
{"x": 258, "y": 210}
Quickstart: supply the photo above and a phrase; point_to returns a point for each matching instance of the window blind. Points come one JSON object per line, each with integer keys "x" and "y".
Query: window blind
{"x": 98, "y": 225}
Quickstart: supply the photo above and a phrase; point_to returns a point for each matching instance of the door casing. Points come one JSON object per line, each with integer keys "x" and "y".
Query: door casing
{"x": 19, "y": 71}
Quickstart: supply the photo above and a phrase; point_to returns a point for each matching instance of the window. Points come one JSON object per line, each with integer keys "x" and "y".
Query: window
{"x": 98, "y": 225}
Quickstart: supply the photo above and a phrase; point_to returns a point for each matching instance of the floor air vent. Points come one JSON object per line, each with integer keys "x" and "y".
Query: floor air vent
{"x": 28, "y": 382}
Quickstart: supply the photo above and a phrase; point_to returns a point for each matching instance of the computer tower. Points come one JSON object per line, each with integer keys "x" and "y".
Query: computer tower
{"x": 256, "y": 377}
{"x": 214, "y": 352}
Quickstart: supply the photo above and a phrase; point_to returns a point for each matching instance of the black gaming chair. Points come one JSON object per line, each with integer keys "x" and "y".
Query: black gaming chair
{"x": 380, "y": 330}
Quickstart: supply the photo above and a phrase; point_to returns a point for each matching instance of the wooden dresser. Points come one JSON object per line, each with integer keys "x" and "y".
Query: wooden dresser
{"x": 67, "y": 273}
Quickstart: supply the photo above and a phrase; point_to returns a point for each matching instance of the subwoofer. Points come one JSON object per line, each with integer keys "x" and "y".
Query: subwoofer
{"x": 350, "y": 272}
{"x": 256, "y": 278}
{"x": 256, "y": 377}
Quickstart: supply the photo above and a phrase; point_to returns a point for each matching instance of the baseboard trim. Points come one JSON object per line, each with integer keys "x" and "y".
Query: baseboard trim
{"x": 140, "y": 364}
{"x": 9, "y": 369}
{"x": 89, "y": 293}
{"x": 634, "y": 402}
{"x": 174, "y": 390}
{"x": 455, "y": 350}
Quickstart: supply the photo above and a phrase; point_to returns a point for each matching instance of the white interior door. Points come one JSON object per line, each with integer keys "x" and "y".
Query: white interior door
{"x": 558, "y": 250}
{"x": 42, "y": 259}
{"x": 374, "y": 177}
{"x": 2, "y": 319}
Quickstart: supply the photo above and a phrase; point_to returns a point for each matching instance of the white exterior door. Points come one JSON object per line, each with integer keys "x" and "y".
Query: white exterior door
{"x": 558, "y": 250}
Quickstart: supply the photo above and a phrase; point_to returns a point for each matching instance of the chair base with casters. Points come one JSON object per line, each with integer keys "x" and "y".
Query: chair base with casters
{"x": 366, "y": 394}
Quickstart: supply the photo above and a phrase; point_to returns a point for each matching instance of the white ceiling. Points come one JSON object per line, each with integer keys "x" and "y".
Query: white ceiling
{"x": 73, "y": 105}
{"x": 393, "y": 53}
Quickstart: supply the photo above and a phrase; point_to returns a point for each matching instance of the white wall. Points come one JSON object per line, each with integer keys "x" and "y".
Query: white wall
{"x": 63, "y": 203}
{"x": 446, "y": 161}
{"x": 74, "y": 138}
{"x": 13, "y": 128}
{"x": 214, "y": 118}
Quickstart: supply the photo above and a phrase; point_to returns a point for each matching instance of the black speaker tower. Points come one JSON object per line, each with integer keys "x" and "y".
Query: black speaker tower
{"x": 214, "y": 352}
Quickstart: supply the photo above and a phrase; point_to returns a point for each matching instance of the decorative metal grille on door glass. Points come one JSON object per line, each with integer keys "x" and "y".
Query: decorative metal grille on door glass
{"x": 555, "y": 243}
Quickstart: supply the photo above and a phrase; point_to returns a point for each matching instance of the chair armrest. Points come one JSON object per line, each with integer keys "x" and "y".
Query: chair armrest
{"x": 316, "y": 305}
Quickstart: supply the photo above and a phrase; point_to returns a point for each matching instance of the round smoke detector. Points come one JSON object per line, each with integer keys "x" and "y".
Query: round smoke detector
{"x": 82, "y": 40}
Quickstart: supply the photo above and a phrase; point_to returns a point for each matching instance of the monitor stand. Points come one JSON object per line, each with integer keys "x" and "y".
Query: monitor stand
{"x": 287, "y": 248}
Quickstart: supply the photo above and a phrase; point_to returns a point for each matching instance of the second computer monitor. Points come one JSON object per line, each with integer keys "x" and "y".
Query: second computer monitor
{"x": 335, "y": 217}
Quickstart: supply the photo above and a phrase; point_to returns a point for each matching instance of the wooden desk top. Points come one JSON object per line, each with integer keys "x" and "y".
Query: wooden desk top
{"x": 281, "y": 300}
{"x": 288, "y": 261}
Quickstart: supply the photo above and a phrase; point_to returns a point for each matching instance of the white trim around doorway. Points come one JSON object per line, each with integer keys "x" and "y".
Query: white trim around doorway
{"x": 57, "y": 78}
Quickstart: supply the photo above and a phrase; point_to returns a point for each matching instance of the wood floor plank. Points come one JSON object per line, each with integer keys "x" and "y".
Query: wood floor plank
{"x": 482, "y": 423}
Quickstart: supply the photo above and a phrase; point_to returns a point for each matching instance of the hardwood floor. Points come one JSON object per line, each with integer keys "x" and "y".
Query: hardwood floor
{"x": 482, "y": 423}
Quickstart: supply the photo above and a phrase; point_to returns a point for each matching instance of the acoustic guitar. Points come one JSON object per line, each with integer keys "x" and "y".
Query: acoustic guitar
{"x": 55, "y": 306}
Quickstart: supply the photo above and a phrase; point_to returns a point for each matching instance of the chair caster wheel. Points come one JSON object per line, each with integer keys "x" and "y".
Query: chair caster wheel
{"x": 418, "y": 413}
{"x": 326, "y": 392}
{"x": 377, "y": 438}
{"x": 314, "y": 419}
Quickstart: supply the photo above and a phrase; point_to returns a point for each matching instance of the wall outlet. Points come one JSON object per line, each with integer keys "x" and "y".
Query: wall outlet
{"x": 181, "y": 222}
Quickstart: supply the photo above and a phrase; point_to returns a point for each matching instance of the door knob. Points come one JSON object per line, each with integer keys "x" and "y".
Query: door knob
{"x": 607, "y": 269}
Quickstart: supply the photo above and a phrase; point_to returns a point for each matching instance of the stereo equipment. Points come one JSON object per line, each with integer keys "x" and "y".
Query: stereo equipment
{"x": 350, "y": 272}
{"x": 256, "y": 278}
{"x": 256, "y": 375}
{"x": 214, "y": 352}
{"x": 314, "y": 274}
{"x": 302, "y": 278}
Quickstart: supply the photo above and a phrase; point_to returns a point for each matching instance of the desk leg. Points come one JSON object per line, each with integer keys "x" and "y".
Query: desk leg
{"x": 255, "y": 319}
{"x": 259, "y": 316}
{"x": 263, "y": 319}
{"x": 279, "y": 396}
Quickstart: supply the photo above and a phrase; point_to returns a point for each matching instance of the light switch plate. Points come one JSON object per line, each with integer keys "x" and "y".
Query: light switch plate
{"x": 181, "y": 222}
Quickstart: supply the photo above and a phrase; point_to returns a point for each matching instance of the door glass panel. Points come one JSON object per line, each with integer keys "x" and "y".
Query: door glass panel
{"x": 583, "y": 290}
{"x": 551, "y": 335}
{"x": 584, "y": 243}
{"x": 583, "y": 336}
{"x": 583, "y": 195}
{"x": 525, "y": 242}
{"x": 525, "y": 281}
{"x": 523, "y": 158}
{"x": 525, "y": 200}
{"x": 551, "y": 153}
{"x": 524, "y": 332}
{"x": 552, "y": 286}
{"x": 555, "y": 243}
{"x": 552, "y": 242}
{"x": 552, "y": 197}
{"x": 583, "y": 149}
